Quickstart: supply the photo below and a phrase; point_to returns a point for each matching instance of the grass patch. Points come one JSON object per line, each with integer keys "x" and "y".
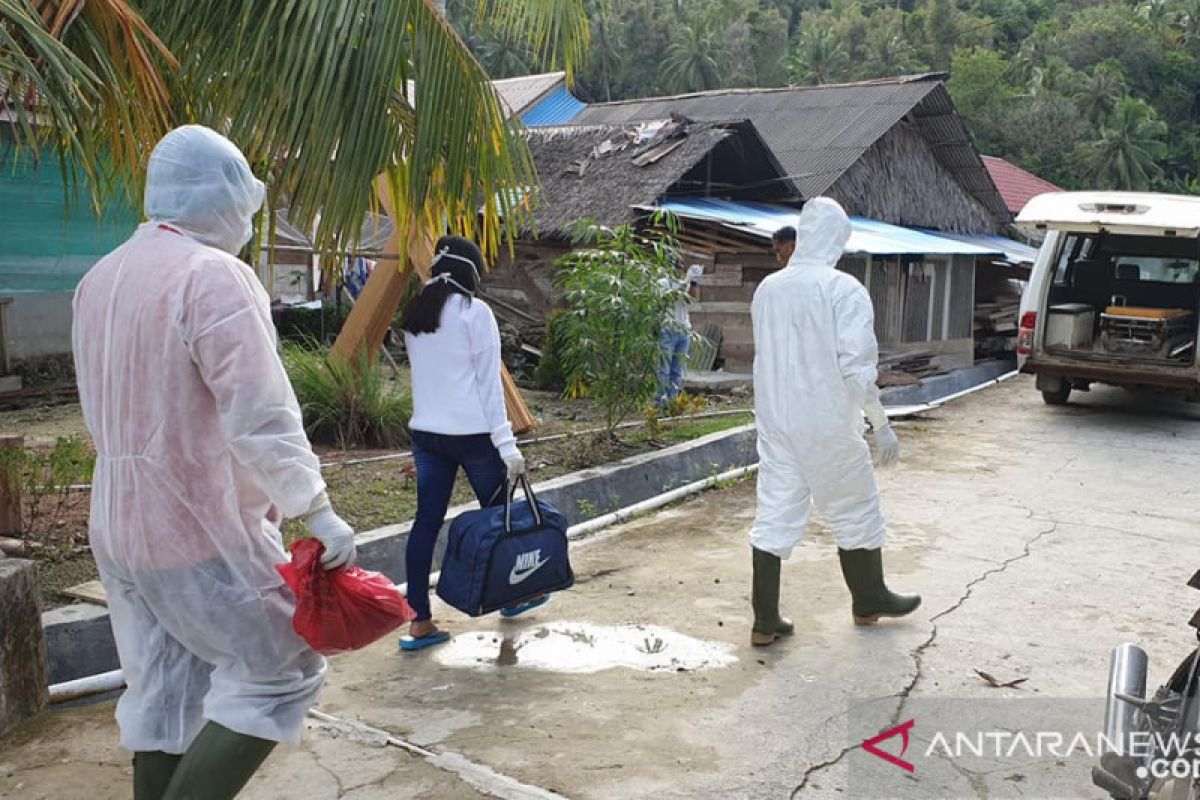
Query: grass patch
{"x": 686, "y": 431}
{"x": 347, "y": 405}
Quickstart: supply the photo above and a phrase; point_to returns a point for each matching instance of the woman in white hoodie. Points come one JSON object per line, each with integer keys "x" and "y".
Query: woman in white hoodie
{"x": 459, "y": 418}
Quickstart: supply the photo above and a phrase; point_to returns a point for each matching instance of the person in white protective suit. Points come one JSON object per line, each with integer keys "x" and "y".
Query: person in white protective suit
{"x": 200, "y": 453}
{"x": 814, "y": 376}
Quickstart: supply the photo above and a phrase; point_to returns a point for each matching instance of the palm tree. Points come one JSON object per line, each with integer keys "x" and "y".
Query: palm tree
{"x": 1097, "y": 94}
{"x": 888, "y": 53}
{"x": 1127, "y": 154}
{"x": 695, "y": 58}
{"x": 502, "y": 57}
{"x": 819, "y": 57}
{"x": 315, "y": 91}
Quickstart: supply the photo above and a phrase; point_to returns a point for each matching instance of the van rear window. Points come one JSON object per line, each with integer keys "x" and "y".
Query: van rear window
{"x": 1159, "y": 259}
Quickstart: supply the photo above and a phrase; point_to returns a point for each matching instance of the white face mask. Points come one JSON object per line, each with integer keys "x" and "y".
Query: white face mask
{"x": 446, "y": 277}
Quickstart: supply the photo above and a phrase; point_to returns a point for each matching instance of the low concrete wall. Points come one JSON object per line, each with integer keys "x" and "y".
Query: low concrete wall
{"x": 940, "y": 386}
{"x": 79, "y": 637}
{"x": 39, "y": 324}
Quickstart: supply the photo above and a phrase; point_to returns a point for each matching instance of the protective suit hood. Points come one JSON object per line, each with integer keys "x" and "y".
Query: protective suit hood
{"x": 199, "y": 182}
{"x": 821, "y": 235}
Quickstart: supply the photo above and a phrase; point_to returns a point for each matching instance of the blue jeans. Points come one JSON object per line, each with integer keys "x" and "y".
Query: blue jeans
{"x": 673, "y": 345}
{"x": 437, "y": 458}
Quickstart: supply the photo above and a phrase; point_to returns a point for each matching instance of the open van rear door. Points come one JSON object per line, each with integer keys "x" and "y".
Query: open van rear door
{"x": 1132, "y": 213}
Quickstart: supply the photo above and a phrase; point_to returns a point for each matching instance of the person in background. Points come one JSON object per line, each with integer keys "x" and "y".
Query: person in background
{"x": 815, "y": 368}
{"x": 675, "y": 339}
{"x": 459, "y": 417}
{"x": 200, "y": 452}
{"x": 783, "y": 242}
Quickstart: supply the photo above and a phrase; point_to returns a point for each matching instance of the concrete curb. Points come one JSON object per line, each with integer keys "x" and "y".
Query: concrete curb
{"x": 79, "y": 637}
{"x": 939, "y": 386}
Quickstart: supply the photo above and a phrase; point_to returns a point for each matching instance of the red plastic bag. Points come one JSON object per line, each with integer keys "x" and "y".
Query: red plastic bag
{"x": 342, "y": 609}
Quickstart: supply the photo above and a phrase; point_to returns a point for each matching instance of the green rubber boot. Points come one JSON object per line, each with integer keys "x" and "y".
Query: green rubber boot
{"x": 217, "y": 765}
{"x": 152, "y": 773}
{"x": 863, "y": 571}
{"x": 764, "y": 596}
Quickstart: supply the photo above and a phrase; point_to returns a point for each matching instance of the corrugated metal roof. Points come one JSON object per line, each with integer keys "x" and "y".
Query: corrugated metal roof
{"x": 520, "y": 94}
{"x": 819, "y": 132}
{"x": 557, "y": 108}
{"x": 868, "y": 236}
{"x": 1014, "y": 252}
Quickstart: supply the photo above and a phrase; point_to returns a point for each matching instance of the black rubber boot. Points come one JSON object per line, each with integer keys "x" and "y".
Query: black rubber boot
{"x": 764, "y": 596}
{"x": 217, "y": 765}
{"x": 863, "y": 571}
{"x": 152, "y": 773}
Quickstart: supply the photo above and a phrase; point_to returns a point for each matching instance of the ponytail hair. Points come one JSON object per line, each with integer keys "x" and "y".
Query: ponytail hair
{"x": 456, "y": 269}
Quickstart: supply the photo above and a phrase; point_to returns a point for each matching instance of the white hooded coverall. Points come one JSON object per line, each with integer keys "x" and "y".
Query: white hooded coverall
{"x": 200, "y": 449}
{"x": 814, "y": 373}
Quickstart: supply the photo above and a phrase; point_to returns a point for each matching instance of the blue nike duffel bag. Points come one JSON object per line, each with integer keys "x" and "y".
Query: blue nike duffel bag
{"x": 504, "y": 555}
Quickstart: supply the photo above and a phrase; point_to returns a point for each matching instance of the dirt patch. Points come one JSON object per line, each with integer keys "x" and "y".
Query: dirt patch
{"x": 41, "y": 425}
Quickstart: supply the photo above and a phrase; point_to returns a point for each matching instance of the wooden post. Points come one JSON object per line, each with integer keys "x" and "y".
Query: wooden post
{"x": 10, "y": 484}
{"x": 372, "y": 314}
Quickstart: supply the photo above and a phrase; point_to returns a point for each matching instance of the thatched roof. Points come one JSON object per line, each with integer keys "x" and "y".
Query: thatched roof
{"x": 602, "y": 172}
{"x": 820, "y": 132}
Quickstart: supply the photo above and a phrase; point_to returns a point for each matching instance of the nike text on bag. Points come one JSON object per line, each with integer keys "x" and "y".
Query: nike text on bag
{"x": 503, "y": 555}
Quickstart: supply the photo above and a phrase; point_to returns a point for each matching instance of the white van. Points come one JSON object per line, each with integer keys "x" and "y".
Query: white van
{"x": 1115, "y": 294}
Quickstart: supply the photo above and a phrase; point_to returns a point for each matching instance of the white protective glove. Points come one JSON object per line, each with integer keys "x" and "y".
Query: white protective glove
{"x": 887, "y": 446}
{"x": 333, "y": 532}
{"x": 514, "y": 462}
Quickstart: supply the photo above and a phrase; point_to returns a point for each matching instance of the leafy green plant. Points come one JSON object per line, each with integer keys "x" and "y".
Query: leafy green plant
{"x": 615, "y": 304}
{"x": 549, "y": 372}
{"x": 347, "y": 404}
{"x": 44, "y": 478}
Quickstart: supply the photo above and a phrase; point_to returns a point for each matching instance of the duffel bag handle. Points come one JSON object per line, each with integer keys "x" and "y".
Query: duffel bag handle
{"x": 521, "y": 481}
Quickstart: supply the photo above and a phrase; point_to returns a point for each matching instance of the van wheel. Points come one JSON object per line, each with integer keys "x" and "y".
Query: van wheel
{"x": 1057, "y": 397}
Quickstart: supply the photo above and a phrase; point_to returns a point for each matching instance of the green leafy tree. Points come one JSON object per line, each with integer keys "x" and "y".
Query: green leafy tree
{"x": 977, "y": 85}
{"x": 695, "y": 58}
{"x": 819, "y": 57}
{"x": 615, "y": 304}
{"x": 1130, "y": 147}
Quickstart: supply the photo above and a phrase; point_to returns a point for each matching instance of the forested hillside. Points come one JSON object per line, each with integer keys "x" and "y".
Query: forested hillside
{"x": 1086, "y": 94}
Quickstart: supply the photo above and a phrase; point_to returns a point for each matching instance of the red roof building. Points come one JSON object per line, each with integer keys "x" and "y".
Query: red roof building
{"x": 1016, "y": 185}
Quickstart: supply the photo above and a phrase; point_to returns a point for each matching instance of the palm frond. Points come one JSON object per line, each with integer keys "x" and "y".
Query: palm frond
{"x": 316, "y": 92}
{"x": 557, "y": 30}
{"x": 85, "y": 80}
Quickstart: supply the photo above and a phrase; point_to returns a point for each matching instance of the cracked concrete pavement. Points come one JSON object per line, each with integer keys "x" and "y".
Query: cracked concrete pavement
{"x": 1039, "y": 537}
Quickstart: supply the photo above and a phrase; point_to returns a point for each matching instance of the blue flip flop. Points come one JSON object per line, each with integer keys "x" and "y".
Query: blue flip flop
{"x": 521, "y": 608}
{"x": 413, "y": 643}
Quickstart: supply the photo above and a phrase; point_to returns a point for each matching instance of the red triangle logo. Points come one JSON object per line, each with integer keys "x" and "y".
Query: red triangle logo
{"x": 872, "y": 745}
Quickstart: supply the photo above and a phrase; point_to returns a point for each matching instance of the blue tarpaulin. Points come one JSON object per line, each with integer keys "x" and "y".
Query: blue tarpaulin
{"x": 868, "y": 236}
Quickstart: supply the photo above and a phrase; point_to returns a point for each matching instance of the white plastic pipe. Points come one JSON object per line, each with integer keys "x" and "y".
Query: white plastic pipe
{"x": 86, "y": 687}
{"x": 974, "y": 389}
{"x": 654, "y": 503}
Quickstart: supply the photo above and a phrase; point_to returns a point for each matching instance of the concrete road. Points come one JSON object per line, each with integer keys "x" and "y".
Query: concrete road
{"x": 1039, "y": 538}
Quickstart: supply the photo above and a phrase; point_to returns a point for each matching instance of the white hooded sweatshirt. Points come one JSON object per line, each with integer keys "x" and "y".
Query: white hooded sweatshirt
{"x": 814, "y": 374}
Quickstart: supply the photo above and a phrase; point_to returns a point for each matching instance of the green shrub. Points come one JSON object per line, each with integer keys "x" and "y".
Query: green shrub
{"x": 549, "y": 373}
{"x": 615, "y": 308}
{"x": 44, "y": 478}
{"x": 344, "y": 405}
